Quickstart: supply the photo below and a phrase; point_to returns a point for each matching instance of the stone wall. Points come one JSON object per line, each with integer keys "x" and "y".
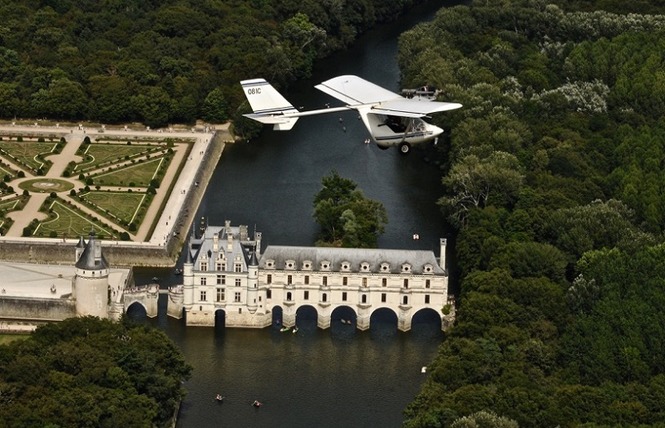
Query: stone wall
{"x": 36, "y": 309}
{"x": 195, "y": 193}
{"x": 117, "y": 253}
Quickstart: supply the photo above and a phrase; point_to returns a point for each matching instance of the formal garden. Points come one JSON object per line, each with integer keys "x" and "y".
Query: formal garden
{"x": 107, "y": 186}
{"x": 31, "y": 152}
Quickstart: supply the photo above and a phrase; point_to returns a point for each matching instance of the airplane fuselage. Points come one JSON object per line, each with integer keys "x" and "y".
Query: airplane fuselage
{"x": 388, "y": 131}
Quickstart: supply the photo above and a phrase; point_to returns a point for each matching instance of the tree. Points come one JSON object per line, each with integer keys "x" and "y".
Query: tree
{"x": 484, "y": 419}
{"x": 345, "y": 216}
{"x": 473, "y": 182}
{"x": 303, "y": 38}
{"x": 91, "y": 372}
{"x": 215, "y": 107}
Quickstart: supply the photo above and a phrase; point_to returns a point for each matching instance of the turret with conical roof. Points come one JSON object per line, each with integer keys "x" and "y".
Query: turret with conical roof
{"x": 80, "y": 246}
{"x": 252, "y": 281}
{"x": 90, "y": 288}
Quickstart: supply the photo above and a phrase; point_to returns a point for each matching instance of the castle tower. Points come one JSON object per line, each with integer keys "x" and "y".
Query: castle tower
{"x": 90, "y": 288}
{"x": 442, "y": 253}
{"x": 188, "y": 277}
{"x": 80, "y": 246}
{"x": 252, "y": 282}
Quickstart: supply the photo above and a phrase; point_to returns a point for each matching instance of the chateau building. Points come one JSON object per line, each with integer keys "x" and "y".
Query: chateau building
{"x": 225, "y": 276}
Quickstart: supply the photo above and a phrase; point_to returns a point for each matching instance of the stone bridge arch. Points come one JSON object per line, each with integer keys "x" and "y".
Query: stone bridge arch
{"x": 343, "y": 314}
{"x": 220, "y": 319}
{"x": 427, "y": 319}
{"x": 383, "y": 319}
{"x": 307, "y": 316}
{"x": 147, "y": 297}
{"x": 277, "y": 315}
{"x": 136, "y": 310}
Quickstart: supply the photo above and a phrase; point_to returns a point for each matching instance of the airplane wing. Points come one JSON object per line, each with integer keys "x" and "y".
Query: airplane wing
{"x": 354, "y": 91}
{"x": 412, "y": 108}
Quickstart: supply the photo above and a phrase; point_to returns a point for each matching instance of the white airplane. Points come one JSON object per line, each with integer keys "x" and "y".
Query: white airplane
{"x": 391, "y": 119}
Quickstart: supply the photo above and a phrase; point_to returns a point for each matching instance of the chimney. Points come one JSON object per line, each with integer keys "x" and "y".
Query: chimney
{"x": 442, "y": 249}
{"x": 257, "y": 238}
{"x": 229, "y": 240}
{"x": 215, "y": 242}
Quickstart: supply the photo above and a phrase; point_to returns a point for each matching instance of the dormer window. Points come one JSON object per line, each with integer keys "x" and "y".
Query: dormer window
{"x": 346, "y": 266}
{"x": 364, "y": 267}
{"x": 325, "y": 265}
{"x": 385, "y": 267}
{"x": 406, "y": 268}
{"x": 428, "y": 268}
{"x": 270, "y": 264}
{"x": 290, "y": 264}
{"x": 307, "y": 265}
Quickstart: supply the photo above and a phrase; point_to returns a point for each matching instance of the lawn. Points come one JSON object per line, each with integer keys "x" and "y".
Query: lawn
{"x": 8, "y": 338}
{"x": 27, "y": 152}
{"x": 138, "y": 174}
{"x": 6, "y": 170}
{"x": 9, "y": 204}
{"x": 124, "y": 206}
{"x": 67, "y": 222}
{"x": 96, "y": 155}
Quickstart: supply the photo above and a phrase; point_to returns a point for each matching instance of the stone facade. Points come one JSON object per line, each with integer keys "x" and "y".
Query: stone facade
{"x": 225, "y": 271}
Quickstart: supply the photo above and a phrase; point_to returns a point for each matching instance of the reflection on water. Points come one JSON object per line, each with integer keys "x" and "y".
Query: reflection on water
{"x": 324, "y": 378}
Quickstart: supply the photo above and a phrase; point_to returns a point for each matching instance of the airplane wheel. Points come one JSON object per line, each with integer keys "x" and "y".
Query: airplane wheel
{"x": 404, "y": 148}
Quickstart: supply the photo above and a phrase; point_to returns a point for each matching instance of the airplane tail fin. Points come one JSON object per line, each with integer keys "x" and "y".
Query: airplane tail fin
{"x": 269, "y": 106}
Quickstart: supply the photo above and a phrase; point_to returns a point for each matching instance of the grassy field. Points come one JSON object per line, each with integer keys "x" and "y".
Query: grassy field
{"x": 121, "y": 205}
{"x": 96, "y": 155}
{"x": 9, "y": 204}
{"x": 46, "y": 185}
{"x": 66, "y": 222}
{"x": 138, "y": 174}
{"x": 27, "y": 153}
{"x": 5, "y": 170}
{"x": 7, "y": 338}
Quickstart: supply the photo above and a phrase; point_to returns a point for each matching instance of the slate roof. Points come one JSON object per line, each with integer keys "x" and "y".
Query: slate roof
{"x": 92, "y": 259}
{"x": 354, "y": 256}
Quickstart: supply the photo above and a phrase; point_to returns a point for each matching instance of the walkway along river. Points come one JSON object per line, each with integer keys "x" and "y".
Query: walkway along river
{"x": 337, "y": 377}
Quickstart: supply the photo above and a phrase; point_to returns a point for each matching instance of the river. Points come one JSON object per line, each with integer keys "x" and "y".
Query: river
{"x": 316, "y": 378}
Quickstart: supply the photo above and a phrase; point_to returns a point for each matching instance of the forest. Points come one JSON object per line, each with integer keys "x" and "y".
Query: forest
{"x": 554, "y": 183}
{"x": 89, "y": 372}
{"x": 164, "y": 62}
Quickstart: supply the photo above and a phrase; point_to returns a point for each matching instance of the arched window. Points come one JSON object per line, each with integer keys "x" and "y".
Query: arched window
{"x": 364, "y": 298}
{"x": 405, "y": 300}
{"x": 288, "y": 296}
{"x": 324, "y": 297}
